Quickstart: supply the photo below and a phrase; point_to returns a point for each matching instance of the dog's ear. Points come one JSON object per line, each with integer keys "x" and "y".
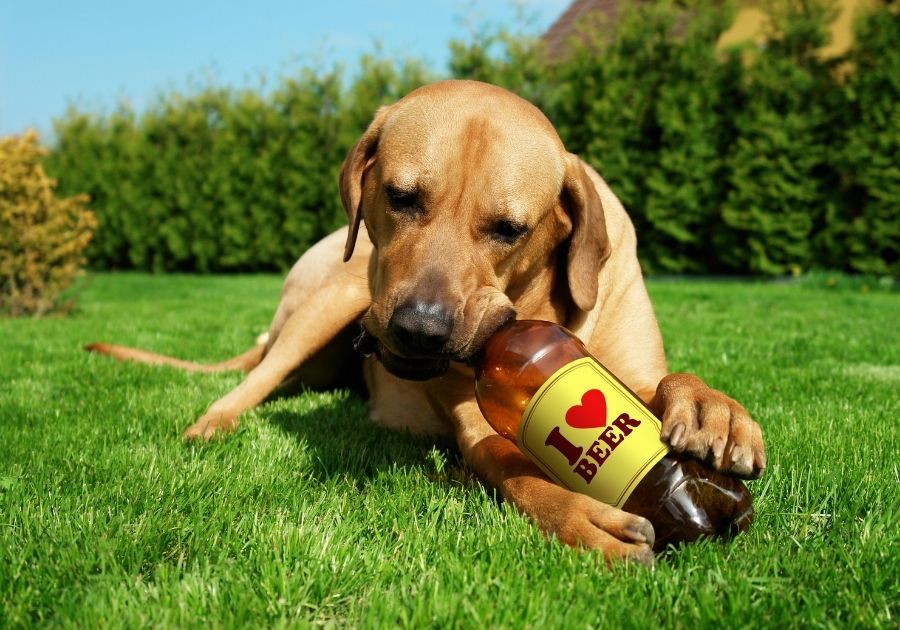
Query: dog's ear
{"x": 353, "y": 170}
{"x": 589, "y": 244}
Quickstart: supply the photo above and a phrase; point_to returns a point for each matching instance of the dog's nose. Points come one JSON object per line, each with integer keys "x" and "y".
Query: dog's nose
{"x": 421, "y": 327}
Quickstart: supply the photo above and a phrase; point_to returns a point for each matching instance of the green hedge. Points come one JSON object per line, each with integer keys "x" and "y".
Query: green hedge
{"x": 763, "y": 161}
{"x": 222, "y": 180}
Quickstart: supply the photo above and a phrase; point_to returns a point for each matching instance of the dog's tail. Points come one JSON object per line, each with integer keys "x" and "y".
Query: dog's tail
{"x": 245, "y": 361}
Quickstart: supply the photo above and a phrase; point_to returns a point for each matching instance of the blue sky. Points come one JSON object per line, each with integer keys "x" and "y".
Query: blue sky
{"x": 95, "y": 53}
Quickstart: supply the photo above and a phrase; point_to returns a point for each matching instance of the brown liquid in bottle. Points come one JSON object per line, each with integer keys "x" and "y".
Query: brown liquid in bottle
{"x": 682, "y": 498}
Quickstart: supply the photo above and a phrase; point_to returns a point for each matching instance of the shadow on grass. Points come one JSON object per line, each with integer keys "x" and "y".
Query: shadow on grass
{"x": 344, "y": 443}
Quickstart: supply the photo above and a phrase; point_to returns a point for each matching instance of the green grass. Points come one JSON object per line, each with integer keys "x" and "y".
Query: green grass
{"x": 311, "y": 515}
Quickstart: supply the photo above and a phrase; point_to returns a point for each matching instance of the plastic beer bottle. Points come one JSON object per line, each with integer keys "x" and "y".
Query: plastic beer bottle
{"x": 538, "y": 385}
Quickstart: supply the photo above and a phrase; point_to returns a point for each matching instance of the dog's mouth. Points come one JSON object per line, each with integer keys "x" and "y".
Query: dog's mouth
{"x": 408, "y": 368}
{"x": 422, "y": 368}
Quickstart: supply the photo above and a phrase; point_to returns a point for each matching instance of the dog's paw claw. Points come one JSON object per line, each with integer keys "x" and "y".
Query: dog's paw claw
{"x": 709, "y": 426}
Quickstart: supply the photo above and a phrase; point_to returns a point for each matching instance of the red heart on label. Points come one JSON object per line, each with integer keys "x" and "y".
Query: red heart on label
{"x": 590, "y": 414}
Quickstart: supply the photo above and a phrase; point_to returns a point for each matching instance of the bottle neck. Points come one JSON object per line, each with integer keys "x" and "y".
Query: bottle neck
{"x": 476, "y": 359}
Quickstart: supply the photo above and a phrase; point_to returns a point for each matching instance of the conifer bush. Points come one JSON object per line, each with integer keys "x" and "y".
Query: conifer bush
{"x": 780, "y": 181}
{"x": 223, "y": 180}
{"x": 42, "y": 237}
{"x": 862, "y": 233}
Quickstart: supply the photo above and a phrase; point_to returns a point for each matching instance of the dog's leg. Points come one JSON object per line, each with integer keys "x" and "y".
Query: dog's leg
{"x": 315, "y": 322}
{"x": 574, "y": 518}
{"x": 708, "y": 424}
{"x": 696, "y": 419}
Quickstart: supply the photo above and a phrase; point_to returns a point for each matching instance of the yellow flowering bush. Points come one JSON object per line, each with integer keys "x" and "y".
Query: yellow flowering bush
{"x": 42, "y": 237}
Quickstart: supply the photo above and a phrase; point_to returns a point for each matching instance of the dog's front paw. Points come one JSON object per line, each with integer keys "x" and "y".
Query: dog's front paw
{"x": 580, "y": 521}
{"x": 709, "y": 425}
{"x": 211, "y": 424}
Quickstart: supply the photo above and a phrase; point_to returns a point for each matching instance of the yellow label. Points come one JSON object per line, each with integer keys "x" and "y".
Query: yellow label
{"x": 588, "y": 433}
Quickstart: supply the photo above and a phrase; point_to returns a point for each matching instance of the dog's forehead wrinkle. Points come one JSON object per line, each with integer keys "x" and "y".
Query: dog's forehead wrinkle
{"x": 406, "y": 181}
{"x": 474, "y": 96}
{"x": 492, "y": 116}
{"x": 478, "y": 156}
{"x": 512, "y": 208}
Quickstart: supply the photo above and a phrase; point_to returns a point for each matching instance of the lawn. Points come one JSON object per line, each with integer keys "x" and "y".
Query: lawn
{"x": 311, "y": 515}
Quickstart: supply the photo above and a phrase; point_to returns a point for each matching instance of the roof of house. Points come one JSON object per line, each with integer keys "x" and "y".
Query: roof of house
{"x": 567, "y": 24}
{"x": 749, "y": 24}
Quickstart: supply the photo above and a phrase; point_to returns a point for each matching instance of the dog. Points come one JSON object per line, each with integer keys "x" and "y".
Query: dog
{"x": 465, "y": 210}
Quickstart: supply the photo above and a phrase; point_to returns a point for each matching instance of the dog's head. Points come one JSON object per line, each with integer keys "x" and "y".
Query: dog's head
{"x": 470, "y": 201}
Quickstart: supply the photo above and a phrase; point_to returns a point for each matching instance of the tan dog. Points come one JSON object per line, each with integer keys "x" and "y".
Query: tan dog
{"x": 474, "y": 212}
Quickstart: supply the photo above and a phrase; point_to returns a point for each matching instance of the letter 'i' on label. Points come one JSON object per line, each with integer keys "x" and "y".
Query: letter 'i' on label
{"x": 588, "y": 433}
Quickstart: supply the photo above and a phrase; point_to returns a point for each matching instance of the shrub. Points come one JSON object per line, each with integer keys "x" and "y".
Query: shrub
{"x": 42, "y": 237}
{"x": 503, "y": 58}
{"x": 647, "y": 104}
{"x": 223, "y": 179}
{"x": 862, "y": 233}
{"x": 781, "y": 183}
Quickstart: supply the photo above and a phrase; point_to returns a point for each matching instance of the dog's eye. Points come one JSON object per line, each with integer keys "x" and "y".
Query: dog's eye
{"x": 507, "y": 231}
{"x": 402, "y": 200}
